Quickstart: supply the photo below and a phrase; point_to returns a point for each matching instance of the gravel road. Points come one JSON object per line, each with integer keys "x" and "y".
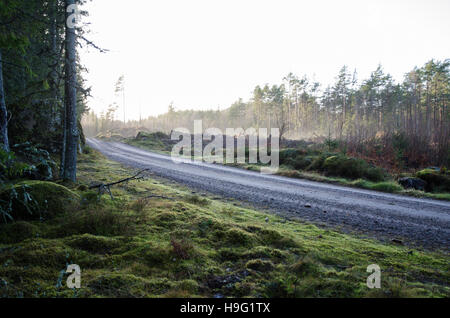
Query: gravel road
{"x": 385, "y": 216}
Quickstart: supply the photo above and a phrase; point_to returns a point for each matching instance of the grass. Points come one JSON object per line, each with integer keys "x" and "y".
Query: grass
{"x": 194, "y": 246}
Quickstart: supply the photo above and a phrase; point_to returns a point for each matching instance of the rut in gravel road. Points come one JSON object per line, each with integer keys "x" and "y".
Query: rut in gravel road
{"x": 386, "y": 216}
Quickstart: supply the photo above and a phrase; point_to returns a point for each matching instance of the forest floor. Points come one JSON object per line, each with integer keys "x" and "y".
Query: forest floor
{"x": 192, "y": 245}
{"x": 154, "y": 143}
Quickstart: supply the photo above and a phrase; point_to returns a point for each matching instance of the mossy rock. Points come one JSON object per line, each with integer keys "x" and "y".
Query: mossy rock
{"x": 48, "y": 200}
{"x": 436, "y": 181}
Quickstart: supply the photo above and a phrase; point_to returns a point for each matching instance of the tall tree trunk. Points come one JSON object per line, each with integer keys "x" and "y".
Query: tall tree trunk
{"x": 4, "y": 142}
{"x": 55, "y": 60}
{"x": 71, "y": 143}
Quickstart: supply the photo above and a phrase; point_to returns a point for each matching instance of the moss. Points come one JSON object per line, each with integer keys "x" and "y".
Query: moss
{"x": 259, "y": 265}
{"x": 99, "y": 221}
{"x": 165, "y": 219}
{"x": 436, "y": 181}
{"x": 236, "y": 236}
{"x": 265, "y": 252}
{"x": 304, "y": 267}
{"x": 275, "y": 238}
{"x": 17, "y": 232}
{"x": 48, "y": 200}
{"x": 128, "y": 286}
{"x": 391, "y": 187}
{"x": 228, "y": 254}
{"x": 195, "y": 199}
{"x": 94, "y": 244}
{"x": 188, "y": 285}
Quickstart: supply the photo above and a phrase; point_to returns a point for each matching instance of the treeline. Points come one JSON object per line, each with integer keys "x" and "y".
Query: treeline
{"x": 42, "y": 90}
{"x": 401, "y": 124}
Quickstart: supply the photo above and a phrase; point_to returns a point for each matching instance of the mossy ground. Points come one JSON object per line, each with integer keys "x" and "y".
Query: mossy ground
{"x": 195, "y": 246}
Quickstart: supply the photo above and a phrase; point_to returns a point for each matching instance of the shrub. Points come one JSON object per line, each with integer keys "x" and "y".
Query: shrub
{"x": 352, "y": 168}
{"x": 37, "y": 199}
{"x": 374, "y": 174}
{"x": 317, "y": 163}
{"x": 42, "y": 163}
{"x": 436, "y": 181}
{"x": 289, "y": 153}
{"x": 345, "y": 167}
{"x": 10, "y": 167}
{"x": 299, "y": 162}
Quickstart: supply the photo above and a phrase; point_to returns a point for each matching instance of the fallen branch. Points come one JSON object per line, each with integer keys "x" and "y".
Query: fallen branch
{"x": 106, "y": 188}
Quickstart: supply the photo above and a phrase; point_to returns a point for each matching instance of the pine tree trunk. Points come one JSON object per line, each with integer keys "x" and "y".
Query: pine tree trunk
{"x": 71, "y": 143}
{"x": 4, "y": 142}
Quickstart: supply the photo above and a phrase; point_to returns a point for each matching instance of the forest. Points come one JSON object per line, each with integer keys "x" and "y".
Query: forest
{"x": 93, "y": 207}
{"x": 43, "y": 95}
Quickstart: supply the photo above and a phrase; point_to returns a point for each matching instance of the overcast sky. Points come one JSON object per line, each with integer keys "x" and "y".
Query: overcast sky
{"x": 205, "y": 54}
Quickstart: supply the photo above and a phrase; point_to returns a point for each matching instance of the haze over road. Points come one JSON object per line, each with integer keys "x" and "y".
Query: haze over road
{"x": 420, "y": 221}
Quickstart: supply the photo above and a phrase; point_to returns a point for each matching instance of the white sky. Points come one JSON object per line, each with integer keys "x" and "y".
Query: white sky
{"x": 205, "y": 54}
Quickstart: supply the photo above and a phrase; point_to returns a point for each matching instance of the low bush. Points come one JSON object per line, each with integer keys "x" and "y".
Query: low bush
{"x": 287, "y": 154}
{"x": 352, "y": 168}
{"x": 34, "y": 200}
